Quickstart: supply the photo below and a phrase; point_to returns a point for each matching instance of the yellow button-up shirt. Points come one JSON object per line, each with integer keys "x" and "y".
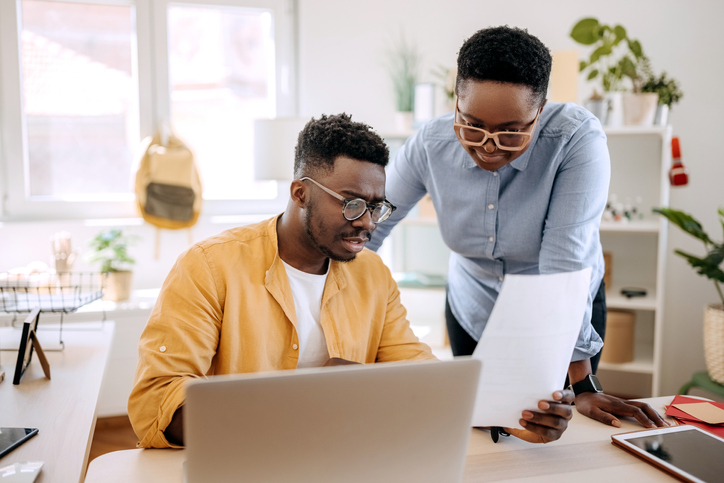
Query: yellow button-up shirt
{"x": 226, "y": 307}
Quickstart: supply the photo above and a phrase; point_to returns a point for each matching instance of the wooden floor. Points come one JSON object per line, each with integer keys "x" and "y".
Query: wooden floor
{"x": 112, "y": 434}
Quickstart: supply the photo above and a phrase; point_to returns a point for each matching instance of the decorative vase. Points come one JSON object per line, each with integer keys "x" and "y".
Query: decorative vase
{"x": 661, "y": 118}
{"x": 714, "y": 341}
{"x": 403, "y": 121}
{"x": 118, "y": 286}
{"x": 599, "y": 108}
{"x": 615, "y": 113}
{"x": 640, "y": 109}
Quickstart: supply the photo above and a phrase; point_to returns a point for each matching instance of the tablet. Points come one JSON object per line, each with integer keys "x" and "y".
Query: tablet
{"x": 11, "y": 438}
{"x": 686, "y": 452}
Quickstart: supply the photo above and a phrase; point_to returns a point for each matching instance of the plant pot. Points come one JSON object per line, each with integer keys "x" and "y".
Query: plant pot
{"x": 714, "y": 341}
{"x": 599, "y": 108}
{"x": 619, "y": 345}
{"x": 615, "y": 112}
{"x": 661, "y": 118}
{"x": 640, "y": 109}
{"x": 118, "y": 286}
{"x": 403, "y": 121}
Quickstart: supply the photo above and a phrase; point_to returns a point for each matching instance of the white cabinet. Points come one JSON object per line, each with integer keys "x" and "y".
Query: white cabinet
{"x": 640, "y": 162}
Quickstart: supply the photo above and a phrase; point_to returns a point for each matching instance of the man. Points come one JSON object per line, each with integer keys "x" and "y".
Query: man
{"x": 519, "y": 186}
{"x": 298, "y": 290}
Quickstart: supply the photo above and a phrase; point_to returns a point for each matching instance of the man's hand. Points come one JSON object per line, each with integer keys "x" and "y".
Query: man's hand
{"x": 547, "y": 424}
{"x": 605, "y": 408}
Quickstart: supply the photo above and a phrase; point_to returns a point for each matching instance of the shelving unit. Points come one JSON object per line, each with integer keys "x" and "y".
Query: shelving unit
{"x": 640, "y": 161}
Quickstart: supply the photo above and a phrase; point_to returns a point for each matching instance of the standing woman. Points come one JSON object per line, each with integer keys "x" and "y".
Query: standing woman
{"x": 519, "y": 186}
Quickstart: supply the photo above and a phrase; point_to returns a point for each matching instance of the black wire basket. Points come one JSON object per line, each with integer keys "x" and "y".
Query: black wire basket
{"x": 62, "y": 292}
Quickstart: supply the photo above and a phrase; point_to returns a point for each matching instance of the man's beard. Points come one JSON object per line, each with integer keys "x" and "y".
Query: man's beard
{"x": 325, "y": 250}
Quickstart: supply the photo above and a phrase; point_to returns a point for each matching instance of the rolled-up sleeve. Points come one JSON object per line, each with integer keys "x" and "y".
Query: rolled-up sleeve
{"x": 177, "y": 345}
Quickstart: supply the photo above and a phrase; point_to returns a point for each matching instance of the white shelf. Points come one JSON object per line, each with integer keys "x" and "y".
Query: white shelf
{"x": 640, "y": 161}
{"x": 614, "y": 299}
{"x": 419, "y": 221}
{"x": 643, "y": 362}
{"x": 636, "y": 130}
{"x": 644, "y": 226}
{"x": 403, "y": 135}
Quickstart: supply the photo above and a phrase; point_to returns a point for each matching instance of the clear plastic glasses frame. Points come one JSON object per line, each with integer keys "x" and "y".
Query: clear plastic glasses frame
{"x": 496, "y": 136}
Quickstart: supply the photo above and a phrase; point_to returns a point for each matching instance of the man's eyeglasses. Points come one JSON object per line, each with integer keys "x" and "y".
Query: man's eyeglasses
{"x": 354, "y": 208}
{"x": 475, "y": 136}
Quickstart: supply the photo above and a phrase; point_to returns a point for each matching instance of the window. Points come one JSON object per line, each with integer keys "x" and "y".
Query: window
{"x": 79, "y": 98}
{"x": 84, "y": 81}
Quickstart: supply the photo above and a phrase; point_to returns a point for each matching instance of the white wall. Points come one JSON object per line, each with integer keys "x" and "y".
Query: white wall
{"x": 342, "y": 47}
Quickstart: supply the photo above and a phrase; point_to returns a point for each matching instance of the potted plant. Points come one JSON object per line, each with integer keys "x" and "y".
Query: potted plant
{"x": 711, "y": 267}
{"x": 403, "y": 61}
{"x": 616, "y": 57}
{"x": 110, "y": 248}
{"x": 447, "y": 78}
{"x": 669, "y": 94}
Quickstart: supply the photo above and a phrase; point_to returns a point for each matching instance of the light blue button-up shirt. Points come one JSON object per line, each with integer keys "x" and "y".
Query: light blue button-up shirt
{"x": 538, "y": 214}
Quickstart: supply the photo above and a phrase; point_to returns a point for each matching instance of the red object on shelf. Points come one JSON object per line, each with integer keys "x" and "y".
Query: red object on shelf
{"x": 678, "y": 174}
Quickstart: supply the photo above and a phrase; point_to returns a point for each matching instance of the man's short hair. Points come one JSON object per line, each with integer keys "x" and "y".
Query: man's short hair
{"x": 323, "y": 140}
{"x": 506, "y": 54}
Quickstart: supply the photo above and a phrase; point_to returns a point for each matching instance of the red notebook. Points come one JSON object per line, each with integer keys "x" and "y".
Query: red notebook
{"x": 685, "y": 418}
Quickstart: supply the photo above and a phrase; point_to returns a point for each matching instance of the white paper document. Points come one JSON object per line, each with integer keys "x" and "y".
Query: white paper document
{"x": 527, "y": 345}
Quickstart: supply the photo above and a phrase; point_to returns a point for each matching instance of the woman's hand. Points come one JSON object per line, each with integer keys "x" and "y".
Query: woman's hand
{"x": 605, "y": 408}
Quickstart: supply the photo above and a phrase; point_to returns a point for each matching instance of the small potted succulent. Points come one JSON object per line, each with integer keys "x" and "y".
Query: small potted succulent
{"x": 110, "y": 248}
{"x": 669, "y": 94}
{"x": 711, "y": 267}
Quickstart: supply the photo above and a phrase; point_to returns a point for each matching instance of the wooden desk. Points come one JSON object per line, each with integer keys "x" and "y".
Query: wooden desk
{"x": 583, "y": 454}
{"x": 63, "y": 408}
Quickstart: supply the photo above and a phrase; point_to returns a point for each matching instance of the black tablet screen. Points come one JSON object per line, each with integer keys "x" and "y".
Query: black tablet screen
{"x": 692, "y": 451}
{"x": 11, "y": 438}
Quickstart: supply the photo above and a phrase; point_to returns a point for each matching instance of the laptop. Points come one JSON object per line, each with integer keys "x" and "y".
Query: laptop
{"x": 378, "y": 422}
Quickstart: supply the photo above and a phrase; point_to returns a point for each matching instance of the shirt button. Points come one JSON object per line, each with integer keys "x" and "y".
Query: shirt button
{"x": 495, "y": 173}
{"x": 295, "y": 346}
{"x": 491, "y": 238}
{"x": 491, "y": 206}
{"x": 162, "y": 348}
{"x": 500, "y": 278}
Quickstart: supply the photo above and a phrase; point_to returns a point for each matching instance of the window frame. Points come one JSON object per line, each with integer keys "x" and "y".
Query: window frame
{"x": 152, "y": 75}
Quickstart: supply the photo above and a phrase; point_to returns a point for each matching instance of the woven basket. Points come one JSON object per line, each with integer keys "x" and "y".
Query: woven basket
{"x": 714, "y": 341}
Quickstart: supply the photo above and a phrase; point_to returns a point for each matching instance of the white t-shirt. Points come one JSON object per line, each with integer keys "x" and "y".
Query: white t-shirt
{"x": 307, "y": 290}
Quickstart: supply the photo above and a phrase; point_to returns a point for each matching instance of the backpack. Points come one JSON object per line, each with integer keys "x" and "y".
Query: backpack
{"x": 168, "y": 185}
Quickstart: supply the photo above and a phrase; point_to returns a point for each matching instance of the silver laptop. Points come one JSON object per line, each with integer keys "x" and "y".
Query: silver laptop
{"x": 380, "y": 422}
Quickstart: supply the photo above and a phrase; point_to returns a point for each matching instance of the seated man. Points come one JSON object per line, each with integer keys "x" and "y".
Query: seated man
{"x": 298, "y": 290}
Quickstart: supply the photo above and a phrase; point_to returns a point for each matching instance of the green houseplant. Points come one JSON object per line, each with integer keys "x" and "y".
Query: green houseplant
{"x": 447, "y": 78}
{"x": 110, "y": 248}
{"x": 667, "y": 88}
{"x": 403, "y": 62}
{"x": 710, "y": 266}
{"x": 668, "y": 91}
{"x": 614, "y": 58}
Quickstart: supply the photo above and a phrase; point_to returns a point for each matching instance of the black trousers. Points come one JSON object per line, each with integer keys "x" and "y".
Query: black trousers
{"x": 464, "y": 345}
